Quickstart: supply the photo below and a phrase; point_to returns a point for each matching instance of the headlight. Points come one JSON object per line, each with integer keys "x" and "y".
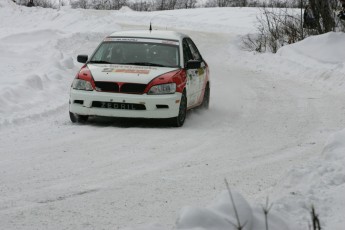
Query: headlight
{"x": 163, "y": 89}
{"x": 82, "y": 85}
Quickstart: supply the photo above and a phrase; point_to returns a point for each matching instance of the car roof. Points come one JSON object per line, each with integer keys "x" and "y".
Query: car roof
{"x": 156, "y": 34}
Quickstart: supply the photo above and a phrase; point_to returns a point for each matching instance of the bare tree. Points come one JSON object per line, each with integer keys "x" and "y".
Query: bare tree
{"x": 190, "y": 4}
{"x": 161, "y": 4}
{"x": 142, "y": 5}
{"x": 80, "y": 4}
{"x": 276, "y": 28}
{"x": 217, "y": 3}
{"x": 172, "y": 4}
{"x": 223, "y": 3}
{"x": 117, "y": 4}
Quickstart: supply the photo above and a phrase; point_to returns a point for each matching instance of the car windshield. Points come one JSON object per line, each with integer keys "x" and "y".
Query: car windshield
{"x": 132, "y": 51}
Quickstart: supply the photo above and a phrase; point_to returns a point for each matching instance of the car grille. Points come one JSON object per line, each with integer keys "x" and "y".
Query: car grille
{"x": 107, "y": 86}
{"x": 133, "y": 88}
{"x": 113, "y": 87}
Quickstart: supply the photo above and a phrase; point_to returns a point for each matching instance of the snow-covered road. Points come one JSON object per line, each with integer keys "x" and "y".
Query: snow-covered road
{"x": 110, "y": 174}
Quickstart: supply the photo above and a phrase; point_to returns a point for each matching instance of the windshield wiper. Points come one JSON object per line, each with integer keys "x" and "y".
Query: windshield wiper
{"x": 100, "y": 62}
{"x": 144, "y": 64}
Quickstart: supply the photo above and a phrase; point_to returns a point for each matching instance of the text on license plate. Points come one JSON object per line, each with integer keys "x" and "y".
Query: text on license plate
{"x": 118, "y": 105}
{"x": 114, "y": 105}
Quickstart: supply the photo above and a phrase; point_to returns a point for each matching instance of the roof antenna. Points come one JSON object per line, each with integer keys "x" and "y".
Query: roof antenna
{"x": 150, "y": 27}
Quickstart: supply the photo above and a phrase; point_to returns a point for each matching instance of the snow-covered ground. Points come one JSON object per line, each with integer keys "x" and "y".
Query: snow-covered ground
{"x": 274, "y": 129}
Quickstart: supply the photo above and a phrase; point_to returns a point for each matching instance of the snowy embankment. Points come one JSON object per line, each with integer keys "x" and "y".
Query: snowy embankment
{"x": 38, "y": 50}
{"x": 320, "y": 183}
{"x": 319, "y": 59}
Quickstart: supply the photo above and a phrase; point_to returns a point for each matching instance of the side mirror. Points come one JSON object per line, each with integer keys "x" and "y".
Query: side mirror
{"x": 193, "y": 64}
{"x": 82, "y": 58}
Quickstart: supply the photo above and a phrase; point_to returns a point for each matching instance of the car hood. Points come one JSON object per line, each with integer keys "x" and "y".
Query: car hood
{"x": 126, "y": 73}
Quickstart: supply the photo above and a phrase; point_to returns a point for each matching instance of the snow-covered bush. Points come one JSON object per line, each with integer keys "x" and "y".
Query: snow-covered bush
{"x": 276, "y": 28}
{"x": 99, "y": 4}
{"x": 230, "y": 211}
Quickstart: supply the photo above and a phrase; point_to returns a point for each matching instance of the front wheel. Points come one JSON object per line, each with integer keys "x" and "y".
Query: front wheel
{"x": 179, "y": 120}
{"x": 78, "y": 118}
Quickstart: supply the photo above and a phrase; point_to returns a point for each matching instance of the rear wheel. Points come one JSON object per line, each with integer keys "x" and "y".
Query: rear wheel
{"x": 78, "y": 118}
{"x": 206, "y": 100}
{"x": 179, "y": 120}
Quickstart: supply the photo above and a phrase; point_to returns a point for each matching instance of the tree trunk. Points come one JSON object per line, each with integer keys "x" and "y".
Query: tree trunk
{"x": 326, "y": 14}
{"x": 323, "y": 15}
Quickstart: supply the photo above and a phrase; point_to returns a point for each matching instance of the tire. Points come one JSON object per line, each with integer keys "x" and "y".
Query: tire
{"x": 83, "y": 118}
{"x": 75, "y": 118}
{"x": 206, "y": 100}
{"x": 179, "y": 120}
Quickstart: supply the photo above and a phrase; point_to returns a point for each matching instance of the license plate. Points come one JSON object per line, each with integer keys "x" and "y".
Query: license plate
{"x": 115, "y": 105}
{"x": 118, "y": 105}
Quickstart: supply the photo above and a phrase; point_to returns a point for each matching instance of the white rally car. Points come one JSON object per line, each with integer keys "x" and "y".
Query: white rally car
{"x": 141, "y": 74}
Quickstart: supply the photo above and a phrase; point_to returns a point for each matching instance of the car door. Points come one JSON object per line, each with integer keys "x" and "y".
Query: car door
{"x": 200, "y": 79}
{"x": 192, "y": 75}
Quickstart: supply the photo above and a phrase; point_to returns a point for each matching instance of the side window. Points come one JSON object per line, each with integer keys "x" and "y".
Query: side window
{"x": 195, "y": 51}
{"x": 187, "y": 54}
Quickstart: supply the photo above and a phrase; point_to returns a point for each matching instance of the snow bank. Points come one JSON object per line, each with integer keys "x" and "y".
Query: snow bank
{"x": 37, "y": 62}
{"x": 321, "y": 184}
{"x": 125, "y": 9}
{"x": 322, "y": 59}
{"x": 325, "y": 49}
{"x": 220, "y": 215}
{"x": 34, "y": 73}
{"x": 316, "y": 60}
{"x": 7, "y": 4}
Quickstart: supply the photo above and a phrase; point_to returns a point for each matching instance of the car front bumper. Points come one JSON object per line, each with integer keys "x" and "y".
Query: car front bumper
{"x": 157, "y": 106}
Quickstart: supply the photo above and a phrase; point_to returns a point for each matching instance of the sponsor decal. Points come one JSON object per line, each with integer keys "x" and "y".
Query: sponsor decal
{"x": 143, "y": 40}
{"x": 129, "y": 69}
{"x": 110, "y": 39}
{"x": 116, "y": 70}
{"x": 137, "y": 71}
{"x": 201, "y": 71}
{"x": 133, "y": 67}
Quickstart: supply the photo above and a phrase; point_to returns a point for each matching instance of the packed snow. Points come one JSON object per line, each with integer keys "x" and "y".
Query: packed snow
{"x": 275, "y": 129}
